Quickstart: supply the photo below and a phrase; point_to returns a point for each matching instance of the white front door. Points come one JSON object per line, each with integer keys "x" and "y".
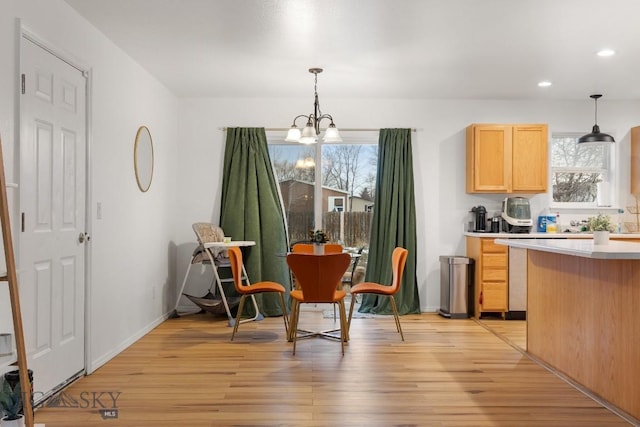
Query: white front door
{"x": 52, "y": 205}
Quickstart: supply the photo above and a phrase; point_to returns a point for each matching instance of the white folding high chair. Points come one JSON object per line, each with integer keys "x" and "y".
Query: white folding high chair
{"x": 217, "y": 258}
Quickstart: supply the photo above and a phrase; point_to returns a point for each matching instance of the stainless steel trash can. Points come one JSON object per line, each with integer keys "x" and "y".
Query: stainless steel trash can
{"x": 456, "y": 286}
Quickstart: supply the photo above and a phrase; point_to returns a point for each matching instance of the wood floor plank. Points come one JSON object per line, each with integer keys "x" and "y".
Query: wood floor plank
{"x": 447, "y": 373}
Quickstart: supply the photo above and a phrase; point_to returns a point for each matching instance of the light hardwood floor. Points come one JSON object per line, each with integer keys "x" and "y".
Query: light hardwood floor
{"x": 186, "y": 372}
{"x": 512, "y": 331}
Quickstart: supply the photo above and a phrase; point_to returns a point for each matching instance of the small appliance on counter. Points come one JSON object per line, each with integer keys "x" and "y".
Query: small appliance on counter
{"x": 516, "y": 215}
{"x": 480, "y": 219}
{"x": 495, "y": 224}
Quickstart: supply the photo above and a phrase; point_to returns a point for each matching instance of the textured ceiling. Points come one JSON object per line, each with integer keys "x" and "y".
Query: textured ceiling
{"x": 471, "y": 49}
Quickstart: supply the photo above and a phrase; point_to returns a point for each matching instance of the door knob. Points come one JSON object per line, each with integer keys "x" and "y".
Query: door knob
{"x": 83, "y": 236}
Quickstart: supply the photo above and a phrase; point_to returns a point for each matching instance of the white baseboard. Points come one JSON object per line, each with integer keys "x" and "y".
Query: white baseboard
{"x": 127, "y": 343}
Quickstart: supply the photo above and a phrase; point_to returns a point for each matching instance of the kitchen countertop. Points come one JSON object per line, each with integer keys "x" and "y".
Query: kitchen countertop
{"x": 549, "y": 235}
{"x": 615, "y": 249}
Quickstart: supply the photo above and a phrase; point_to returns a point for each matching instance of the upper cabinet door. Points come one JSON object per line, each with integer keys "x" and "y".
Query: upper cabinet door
{"x": 509, "y": 158}
{"x": 530, "y": 158}
{"x": 488, "y": 159}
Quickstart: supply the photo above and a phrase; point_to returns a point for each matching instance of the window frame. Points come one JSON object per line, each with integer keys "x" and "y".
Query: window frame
{"x": 610, "y": 171}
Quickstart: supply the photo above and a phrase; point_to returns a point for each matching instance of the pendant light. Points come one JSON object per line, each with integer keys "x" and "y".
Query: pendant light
{"x": 309, "y": 134}
{"x": 595, "y": 135}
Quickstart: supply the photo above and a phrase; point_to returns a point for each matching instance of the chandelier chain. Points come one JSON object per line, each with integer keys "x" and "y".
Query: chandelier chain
{"x": 315, "y": 89}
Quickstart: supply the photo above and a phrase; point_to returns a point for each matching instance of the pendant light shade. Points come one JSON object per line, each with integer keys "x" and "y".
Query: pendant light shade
{"x": 308, "y": 135}
{"x": 595, "y": 135}
{"x": 332, "y": 134}
{"x": 293, "y": 135}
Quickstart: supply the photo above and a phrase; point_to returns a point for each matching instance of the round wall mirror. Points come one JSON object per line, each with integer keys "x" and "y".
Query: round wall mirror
{"x": 143, "y": 158}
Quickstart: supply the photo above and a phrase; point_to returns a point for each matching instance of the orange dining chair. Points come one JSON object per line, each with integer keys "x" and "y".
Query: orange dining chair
{"x": 317, "y": 277}
{"x": 248, "y": 289}
{"x": 307, "y": 248}
{"x": 329, "y": 248}
{"x": 398, "y": 261}
{"x": 333, "y": 248}
{"x": 302, "y": 248}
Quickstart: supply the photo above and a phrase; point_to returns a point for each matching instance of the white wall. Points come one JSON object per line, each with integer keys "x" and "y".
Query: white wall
{"x": 439, "y": 157}
{"x": 132, "y": 249}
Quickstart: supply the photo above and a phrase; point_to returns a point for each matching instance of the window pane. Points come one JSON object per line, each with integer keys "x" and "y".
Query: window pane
{"x": 294, "y": 167}
{"x": 580, "y": 172}
{"x": 567, "y": 153}
{"x": 575, "y": 187}
{"x": 348, "y": 187}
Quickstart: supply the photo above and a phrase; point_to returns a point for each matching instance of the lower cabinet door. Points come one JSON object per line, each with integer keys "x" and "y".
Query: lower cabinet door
{"x": 494, "y": 296}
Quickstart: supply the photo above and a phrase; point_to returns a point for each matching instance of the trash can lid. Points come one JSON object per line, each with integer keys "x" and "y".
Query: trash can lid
{"x": 454, "y": 259}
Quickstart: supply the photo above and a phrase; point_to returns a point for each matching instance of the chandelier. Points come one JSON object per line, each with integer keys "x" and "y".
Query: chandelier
{"x": 311, "y": 130}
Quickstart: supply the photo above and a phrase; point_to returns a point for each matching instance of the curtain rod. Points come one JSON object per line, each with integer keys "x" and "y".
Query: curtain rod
{"x": 341, "y": 129}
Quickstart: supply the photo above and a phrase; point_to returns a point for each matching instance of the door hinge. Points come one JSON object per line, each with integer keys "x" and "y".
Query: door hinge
{"x": 22, "y": 83}
{"x": 22, "y": 222}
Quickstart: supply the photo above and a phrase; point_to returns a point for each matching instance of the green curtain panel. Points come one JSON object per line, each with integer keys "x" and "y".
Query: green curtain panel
{"x": 251, "y": 210}
{"x": 393, "y": 223}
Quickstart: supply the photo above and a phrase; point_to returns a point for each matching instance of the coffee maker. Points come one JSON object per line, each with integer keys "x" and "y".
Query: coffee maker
{"x": 480, "y": 219}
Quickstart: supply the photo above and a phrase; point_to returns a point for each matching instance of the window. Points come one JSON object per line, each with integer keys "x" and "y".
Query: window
{"x": 327, "y": 185}
{"x": 582, "y": 174}
{"x": 336, "y": 204}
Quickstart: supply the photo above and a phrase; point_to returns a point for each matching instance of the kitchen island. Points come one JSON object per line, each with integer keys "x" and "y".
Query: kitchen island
{"x": 538, "y": 235}
{"x": 499, "y": 275}
{"x": 583, "y": 313}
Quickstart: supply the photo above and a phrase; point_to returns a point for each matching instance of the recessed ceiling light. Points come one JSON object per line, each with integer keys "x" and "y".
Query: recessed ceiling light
{"x": 606, "y": 52}
{"x": 544, "y": 84}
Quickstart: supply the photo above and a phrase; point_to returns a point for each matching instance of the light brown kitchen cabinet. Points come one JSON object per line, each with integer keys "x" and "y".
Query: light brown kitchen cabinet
{"x": 491, "y": 275}
{"x": 507, "y": 158}
{"x": 635, "y": 160}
